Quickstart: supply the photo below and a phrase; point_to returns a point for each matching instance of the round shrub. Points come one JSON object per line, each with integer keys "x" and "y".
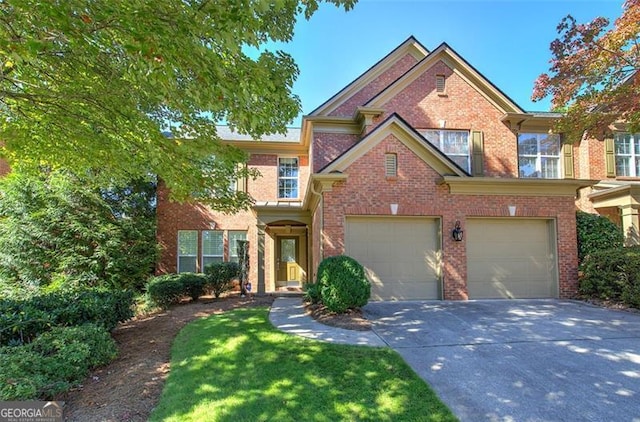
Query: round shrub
{"x": 193, "y": 284}
{"x": 220, "y": 275}
{"x": 596, "y": 233}
{"x": 312, "y": 292}
{"x": 165, "y": 290}
{"x": 612, "y": 274}
{"x": 343, "y": 283}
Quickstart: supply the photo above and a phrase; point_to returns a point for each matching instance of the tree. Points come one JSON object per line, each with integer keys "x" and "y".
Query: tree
{"x": 594, "y": 74}
{"x": 58, "y": 231}
{"x": 90, "y": 86}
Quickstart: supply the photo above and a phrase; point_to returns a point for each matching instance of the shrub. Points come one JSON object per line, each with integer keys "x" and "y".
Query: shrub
{"x": 343, "y": 283}
{"x": 220, "y": 275}
{"x": 596, "y": 233}
{"x": 21, "y": 320}
{"x": 312, "y": 292}
{"x": 53, "y": 362}
{"x": 193, "y": 284}
{"x": 165, "y": 290}
{"x": 612, "y": 274}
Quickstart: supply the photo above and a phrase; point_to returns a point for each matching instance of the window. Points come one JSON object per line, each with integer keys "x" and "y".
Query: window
{"x": 287, "y": 178}
{"x": 212, "y": 247}
{"x": 187, "y": 250}
{"x": 627, "y": 152}
{"x": 440, "y": 84}
{"x": 539, "y": 155}
{"x": 390, "y": 165}
{"x": 234, "y": 236}
{"x": 453, "y": 143}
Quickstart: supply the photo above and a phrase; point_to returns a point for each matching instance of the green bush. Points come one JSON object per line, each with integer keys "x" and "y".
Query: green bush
{"x": 220, "y": 275}
{"x": 21, "y": 320}
{"x": 596, "y": 233}
{"x": 343, "y": 283}
{"x": 165, "y": 290}
{"x": 53, "y": 362}
{"x": 312, "y": 292}
{"x": 612, "y": 274}
{"x": 193, "y": 284}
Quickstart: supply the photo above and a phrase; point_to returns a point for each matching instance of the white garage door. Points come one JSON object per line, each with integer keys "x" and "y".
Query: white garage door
{"x": 401, "y": 255}
{"x": 511, "y": 258}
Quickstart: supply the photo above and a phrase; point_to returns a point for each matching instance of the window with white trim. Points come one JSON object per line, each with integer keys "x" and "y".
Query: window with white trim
{"x": 627, "y": 152}
{"x": 187, "y": 250}
{"x": 539, "y": 155}
{"x": 288, "y": 171}
{"x": 453, "y": 143}
{"x": 234, "y": 236}
{"x": 212, "y": 247}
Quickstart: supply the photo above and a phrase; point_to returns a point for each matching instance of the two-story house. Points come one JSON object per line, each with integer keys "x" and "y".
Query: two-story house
{"x": 426, "y": 173}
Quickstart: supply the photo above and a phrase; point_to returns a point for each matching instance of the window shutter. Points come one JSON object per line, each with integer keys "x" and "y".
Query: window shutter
{"x": 477, "y": 148}
{"x": 609, "y": 157}
{"x": 567, "y": 164}
{"x": 390, "y": 165}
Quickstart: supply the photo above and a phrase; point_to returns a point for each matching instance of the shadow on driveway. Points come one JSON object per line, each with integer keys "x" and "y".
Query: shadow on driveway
{"x": 520, "y": 360}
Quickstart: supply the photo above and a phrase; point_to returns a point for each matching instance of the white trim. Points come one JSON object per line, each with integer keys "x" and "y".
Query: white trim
{"x": 297, "y": 178}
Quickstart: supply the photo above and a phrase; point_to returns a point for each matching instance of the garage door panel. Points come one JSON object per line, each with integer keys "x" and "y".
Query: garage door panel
{"x": 398, "y": 254}
{"x": 510, "y": 258}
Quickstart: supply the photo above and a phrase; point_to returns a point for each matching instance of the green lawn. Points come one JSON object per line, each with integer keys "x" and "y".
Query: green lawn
{"x": 237, "y": 367}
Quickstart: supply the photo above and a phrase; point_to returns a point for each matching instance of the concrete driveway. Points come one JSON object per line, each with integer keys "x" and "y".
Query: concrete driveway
{"x": 520, "y": 360}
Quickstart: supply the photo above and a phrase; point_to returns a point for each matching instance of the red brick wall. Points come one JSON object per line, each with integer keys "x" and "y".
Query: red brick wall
{"x": 461, "y": 108}
{"x": 348, "y": 108}
{"x": 329, "y": 146}
{"x": 417, "y": 193}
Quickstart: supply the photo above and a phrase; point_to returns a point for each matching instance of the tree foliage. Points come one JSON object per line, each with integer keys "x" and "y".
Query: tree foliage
{"x": 58, "y": 231}
{"x": 90, "y": 85}
{"x": 594, "y": 74}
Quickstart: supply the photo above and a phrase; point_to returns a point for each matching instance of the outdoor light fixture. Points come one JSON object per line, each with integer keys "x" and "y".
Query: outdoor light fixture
{"x": 457, "y": 232}
{"x": 212, "y": 225}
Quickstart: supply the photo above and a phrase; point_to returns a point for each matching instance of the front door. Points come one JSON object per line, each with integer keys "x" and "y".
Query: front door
{"x": 287, "y": 261}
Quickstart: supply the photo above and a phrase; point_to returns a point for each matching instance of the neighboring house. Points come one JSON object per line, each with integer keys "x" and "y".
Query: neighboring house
{"x": 386, "y": 169}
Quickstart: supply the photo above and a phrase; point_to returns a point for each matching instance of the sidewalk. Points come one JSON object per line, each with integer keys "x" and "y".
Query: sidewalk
{"x": 287, "y": 314}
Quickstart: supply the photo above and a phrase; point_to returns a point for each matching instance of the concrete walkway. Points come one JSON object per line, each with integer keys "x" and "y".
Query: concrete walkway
{"x": 287, "y": 314}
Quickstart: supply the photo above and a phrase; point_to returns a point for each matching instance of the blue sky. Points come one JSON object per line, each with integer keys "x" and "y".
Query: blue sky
{"x": 506, "y": 40}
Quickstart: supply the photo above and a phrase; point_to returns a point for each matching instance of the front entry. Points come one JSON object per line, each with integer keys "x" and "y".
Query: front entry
{"x": 288, "y": 269}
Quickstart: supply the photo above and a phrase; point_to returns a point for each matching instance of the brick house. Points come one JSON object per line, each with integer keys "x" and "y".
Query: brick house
{"x": 388, "y": 167}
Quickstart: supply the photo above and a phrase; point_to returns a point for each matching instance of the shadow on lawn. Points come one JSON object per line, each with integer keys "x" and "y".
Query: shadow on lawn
{"x": 237, "y": 366}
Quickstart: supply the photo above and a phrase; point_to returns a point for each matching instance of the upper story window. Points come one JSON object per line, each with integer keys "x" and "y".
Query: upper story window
{"x": 454, "y": 143}
{"x": 539, "y": 155}
{"x": 627, "y": 151}
{"x": 288, "y": 171}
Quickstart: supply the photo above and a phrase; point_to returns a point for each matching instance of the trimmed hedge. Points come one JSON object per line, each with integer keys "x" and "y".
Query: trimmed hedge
{"x": 596, "y": 233}
{"x": 612, "y": 274}
{"x": 54, "y": 362}
{"x": 343, "y": 283}
{"x": 21, "y": 320}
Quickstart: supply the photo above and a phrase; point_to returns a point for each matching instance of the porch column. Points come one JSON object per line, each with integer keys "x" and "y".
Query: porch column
{"x": 630, "y": 225}
{"x": 261, "y": 285}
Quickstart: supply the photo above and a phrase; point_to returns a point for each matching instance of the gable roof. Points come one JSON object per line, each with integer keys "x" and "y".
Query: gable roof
{"x": 398, "y": 127}
{"x": 409, "y": 46}
{"x": 461, "y": 67}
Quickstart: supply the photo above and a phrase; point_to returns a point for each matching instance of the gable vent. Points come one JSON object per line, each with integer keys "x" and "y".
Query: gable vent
{"x": 391, "y": 165}
{"x": 440, "y": 83}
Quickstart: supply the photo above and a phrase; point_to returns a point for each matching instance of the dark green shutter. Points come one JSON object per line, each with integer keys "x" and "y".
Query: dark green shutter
{"x": 567, "y": 155}
{"x": 609, "y": 157}
{"x": 477, "y": 149}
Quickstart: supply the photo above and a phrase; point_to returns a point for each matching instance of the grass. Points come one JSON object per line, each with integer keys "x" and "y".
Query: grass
{"x": 237, "y": 367}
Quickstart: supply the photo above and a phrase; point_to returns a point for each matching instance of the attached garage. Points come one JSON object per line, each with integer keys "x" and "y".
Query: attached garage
{"x": 511, "y": 258}
{"x": 401, "y": 255}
